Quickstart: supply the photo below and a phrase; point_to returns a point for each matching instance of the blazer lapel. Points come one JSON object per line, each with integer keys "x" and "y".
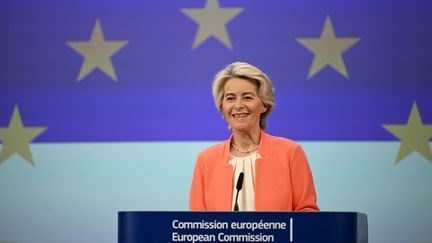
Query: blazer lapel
{"x": 262, "y": 172}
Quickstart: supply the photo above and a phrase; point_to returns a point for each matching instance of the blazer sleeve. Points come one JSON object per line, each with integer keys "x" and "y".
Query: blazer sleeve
{"x": 197, "y": 191}
{"x": 304, "y": 195}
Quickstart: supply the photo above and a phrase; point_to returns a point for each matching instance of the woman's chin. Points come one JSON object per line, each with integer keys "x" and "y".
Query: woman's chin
{"x": 240, "y": 128}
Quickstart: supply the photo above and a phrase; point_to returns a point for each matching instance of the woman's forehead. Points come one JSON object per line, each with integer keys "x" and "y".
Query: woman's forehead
{"x": 240, "y": 86}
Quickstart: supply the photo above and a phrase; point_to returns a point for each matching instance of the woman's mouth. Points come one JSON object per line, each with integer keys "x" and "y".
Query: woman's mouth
{"x": 240, "y": 115}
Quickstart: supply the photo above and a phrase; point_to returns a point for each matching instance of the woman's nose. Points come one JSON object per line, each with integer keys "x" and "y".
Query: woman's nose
{"x": 238, "y": 104}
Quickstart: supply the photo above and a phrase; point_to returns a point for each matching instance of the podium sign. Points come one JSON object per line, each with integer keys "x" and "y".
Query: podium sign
{"x": 196, "y": 227}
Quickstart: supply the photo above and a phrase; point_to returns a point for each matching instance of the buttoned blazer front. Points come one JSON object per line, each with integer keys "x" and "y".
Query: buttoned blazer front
{"x": 283, "y": 179}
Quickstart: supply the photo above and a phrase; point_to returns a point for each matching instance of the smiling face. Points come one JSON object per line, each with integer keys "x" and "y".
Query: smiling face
{"x": 241, "y": 105}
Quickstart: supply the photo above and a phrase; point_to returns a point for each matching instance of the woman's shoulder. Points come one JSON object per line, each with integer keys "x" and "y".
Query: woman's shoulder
{"x": 281, "y": 141}
{"x": 280, "y": 146}
{"x": 214, "y": 150}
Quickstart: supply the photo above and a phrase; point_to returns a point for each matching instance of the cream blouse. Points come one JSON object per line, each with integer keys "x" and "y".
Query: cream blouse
{"x": 246, "y": 197}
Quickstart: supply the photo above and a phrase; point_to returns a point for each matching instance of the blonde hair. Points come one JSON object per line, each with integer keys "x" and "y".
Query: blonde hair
{"x": 251, "y": 73}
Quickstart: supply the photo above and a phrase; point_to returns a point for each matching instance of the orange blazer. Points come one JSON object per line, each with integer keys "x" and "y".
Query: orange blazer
{"x": 283, "y": 180}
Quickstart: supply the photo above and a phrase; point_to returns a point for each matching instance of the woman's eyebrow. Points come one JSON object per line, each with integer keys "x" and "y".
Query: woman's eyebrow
{"x": 248, "y": 93}
{"x": 228, "y": 94}
{"x": 244, "y": 93}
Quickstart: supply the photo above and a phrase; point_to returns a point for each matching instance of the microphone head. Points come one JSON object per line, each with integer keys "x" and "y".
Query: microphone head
{"x": 240, "y": 181}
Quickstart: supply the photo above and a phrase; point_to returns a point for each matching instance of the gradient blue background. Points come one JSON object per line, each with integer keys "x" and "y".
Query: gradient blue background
{"x": 131, "y": 144}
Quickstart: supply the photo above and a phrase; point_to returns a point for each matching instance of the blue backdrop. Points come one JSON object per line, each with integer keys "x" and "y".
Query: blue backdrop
{"x": 105, "y": 104}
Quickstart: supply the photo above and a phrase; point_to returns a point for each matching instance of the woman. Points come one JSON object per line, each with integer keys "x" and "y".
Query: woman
{"x": 276, "y": 173}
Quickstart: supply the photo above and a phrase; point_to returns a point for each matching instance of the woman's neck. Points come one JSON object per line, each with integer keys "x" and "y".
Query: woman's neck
{"x": 246, "y": 140}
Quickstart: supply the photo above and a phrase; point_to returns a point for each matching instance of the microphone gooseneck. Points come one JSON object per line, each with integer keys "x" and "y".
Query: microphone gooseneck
{"x": 239, "y": 186}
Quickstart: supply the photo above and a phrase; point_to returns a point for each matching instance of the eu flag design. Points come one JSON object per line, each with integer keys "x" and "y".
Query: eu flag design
{"x": 105, "y": 105}
{"x": 97, "y": 52}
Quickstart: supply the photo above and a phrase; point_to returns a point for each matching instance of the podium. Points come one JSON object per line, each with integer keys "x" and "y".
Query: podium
{"x": 196, "y": 227}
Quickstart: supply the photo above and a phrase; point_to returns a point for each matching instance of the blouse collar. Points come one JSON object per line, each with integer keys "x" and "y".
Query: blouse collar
{"x": 262, "y": 149}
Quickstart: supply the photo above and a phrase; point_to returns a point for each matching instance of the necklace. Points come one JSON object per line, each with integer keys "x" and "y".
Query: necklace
{"x": 244, "y": 152}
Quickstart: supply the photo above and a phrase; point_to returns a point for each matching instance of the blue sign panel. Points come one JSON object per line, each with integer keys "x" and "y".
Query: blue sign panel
{"x": 159, "y": 227}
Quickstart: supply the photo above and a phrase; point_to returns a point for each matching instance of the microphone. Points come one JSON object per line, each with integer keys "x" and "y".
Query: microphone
{"x": 238, "y": 187}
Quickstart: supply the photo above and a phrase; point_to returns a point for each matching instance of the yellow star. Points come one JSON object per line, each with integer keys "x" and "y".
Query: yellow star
{"x": 97, "y": 52}
{"x": 16, "y": 138}
{"x": 414, "y": 135}
{"x": 212, "y": 20}
{"x": 328, "y": 50}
